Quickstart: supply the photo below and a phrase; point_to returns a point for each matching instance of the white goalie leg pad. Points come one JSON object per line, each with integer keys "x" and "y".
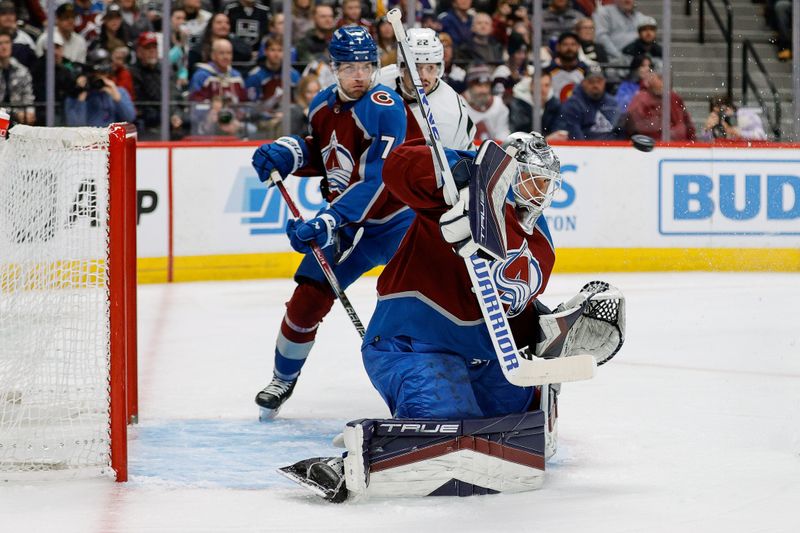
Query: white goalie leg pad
{"x": 425, "y": 457}
{"x": 591, "y": 322}
{"x": 356, "y": 464}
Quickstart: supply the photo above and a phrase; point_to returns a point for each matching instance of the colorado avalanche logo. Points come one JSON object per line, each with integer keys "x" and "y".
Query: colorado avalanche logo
{"x": 518, "y": 278}
{"x": 338, "y": 164}
{"x": 382, "y": 98}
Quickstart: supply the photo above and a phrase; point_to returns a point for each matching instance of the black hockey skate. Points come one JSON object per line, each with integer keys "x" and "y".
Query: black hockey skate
{"x": 273, "y": 396}
{"x": 324, "y": 476}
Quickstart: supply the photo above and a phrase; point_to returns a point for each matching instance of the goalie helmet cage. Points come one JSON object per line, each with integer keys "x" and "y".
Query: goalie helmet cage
{"x": 67, "y": 301}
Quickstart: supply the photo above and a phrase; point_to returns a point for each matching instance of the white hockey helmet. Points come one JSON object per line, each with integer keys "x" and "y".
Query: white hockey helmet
{"x": 425, "y": 47}
{"x": 538, "y": 174}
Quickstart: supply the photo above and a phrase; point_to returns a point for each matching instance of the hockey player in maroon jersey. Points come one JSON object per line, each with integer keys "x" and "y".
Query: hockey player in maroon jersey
{"x": 354, "y": 125}
{"x": 459, "y": 427}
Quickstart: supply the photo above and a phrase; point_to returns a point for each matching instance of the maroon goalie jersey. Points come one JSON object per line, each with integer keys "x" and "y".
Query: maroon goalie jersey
{"x": 425, "y": 292}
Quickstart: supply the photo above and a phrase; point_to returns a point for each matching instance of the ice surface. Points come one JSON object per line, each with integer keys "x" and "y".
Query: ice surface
{"x": 694, "y": 426}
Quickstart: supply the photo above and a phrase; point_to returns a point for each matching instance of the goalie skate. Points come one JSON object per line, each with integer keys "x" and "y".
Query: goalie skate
{"x": 273, "y": 396}
{"x": 324, "y": 476}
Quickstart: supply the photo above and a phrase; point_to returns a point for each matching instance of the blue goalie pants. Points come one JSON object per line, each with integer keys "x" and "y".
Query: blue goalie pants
{"x": 418, "y": 380}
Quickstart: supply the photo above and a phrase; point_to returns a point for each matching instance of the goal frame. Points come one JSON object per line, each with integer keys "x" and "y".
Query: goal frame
{"x": 122, "y": 219}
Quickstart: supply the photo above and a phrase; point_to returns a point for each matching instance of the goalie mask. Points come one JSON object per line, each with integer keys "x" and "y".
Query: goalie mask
{"x": 538, "y": 175}
{"x": 428, "y": 53}
{"x": 354, "y": 59}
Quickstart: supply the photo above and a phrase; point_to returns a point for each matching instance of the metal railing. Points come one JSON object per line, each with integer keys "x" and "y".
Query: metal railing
{"x": 727, "y": 33}
{"x": 749, "y": 51}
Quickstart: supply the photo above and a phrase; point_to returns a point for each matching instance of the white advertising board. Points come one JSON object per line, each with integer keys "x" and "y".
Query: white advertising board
{"x": 221, "y": 207}
{"x": 612, "y": 197}
{"x": 152, "y": 202}
{"x": 677, "y": 198}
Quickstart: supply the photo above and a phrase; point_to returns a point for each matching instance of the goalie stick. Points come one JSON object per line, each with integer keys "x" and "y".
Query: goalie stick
{"x": 521, "y": 369}
{"x": 320, "y": 257}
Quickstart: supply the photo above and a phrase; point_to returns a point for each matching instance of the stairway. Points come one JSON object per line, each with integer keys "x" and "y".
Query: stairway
{"x": 700, "y": 70}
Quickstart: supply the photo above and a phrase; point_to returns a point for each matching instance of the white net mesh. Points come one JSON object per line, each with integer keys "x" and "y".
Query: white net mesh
{"x": 54, "y": 307}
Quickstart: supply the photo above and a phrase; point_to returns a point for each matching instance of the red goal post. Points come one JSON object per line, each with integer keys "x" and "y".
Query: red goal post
{"x": 67, "y": 301}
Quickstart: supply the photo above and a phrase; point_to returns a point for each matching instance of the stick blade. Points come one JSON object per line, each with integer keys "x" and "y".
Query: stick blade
{"x": 560, "y": 370}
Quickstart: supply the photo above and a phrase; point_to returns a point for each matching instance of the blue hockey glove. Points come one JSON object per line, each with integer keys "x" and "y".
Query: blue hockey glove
{"x": 320, "y": 229}
{"x": 285, "y": 154}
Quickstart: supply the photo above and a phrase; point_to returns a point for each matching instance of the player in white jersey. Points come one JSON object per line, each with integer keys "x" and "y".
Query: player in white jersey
{"x": 456, "y": 129}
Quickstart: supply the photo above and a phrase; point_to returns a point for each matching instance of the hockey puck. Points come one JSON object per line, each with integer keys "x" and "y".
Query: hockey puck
{"x": 643, "y": 143}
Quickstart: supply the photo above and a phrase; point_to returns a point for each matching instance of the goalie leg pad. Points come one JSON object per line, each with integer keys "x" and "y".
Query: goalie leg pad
{"x": 413, "y": 457}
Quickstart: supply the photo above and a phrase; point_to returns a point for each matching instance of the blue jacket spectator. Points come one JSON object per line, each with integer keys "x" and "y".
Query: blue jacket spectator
{"x": 457, "y": 23}
{"x": 99, "y": 109}
{"x": 590, "y": 114}
{"x": 98, "y": 101}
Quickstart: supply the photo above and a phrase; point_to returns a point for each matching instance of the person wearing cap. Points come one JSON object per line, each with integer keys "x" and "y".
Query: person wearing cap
{"x": 146, "y": 73}
{"x": 617, "y": 26}
{"x": 646, "y": 43}
{"x": 591, "y": 114}
{"x": 74, "y": 45}
{"x": 114, "y": 31}
{"x": 558, "y": 18}
{"x": 16, "y": 84}
{"x": 488, "y": 112}
{"x": 98, "y": 101}
{"x": 516, "y": 67}
{"x": 566, "y": 69}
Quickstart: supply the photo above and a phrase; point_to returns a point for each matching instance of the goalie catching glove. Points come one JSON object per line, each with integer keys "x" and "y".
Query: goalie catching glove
{"x": 591, "y": 322}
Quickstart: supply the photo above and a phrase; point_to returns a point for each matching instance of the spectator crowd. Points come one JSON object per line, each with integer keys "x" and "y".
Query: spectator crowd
{"x": 601, "y": 78}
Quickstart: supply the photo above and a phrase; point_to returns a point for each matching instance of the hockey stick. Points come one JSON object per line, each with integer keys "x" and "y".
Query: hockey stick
{"x": 320, "y": 257}
{"x": 520, "y": 369}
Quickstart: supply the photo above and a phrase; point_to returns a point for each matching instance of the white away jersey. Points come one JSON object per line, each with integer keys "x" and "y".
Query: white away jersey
{"x": 456, "y": 129}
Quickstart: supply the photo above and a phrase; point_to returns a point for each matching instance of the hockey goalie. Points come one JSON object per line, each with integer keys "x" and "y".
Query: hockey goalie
{"x": 459, "y": 427}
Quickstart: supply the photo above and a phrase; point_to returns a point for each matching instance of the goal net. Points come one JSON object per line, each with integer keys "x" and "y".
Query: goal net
{"x": 67, "y": 301}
